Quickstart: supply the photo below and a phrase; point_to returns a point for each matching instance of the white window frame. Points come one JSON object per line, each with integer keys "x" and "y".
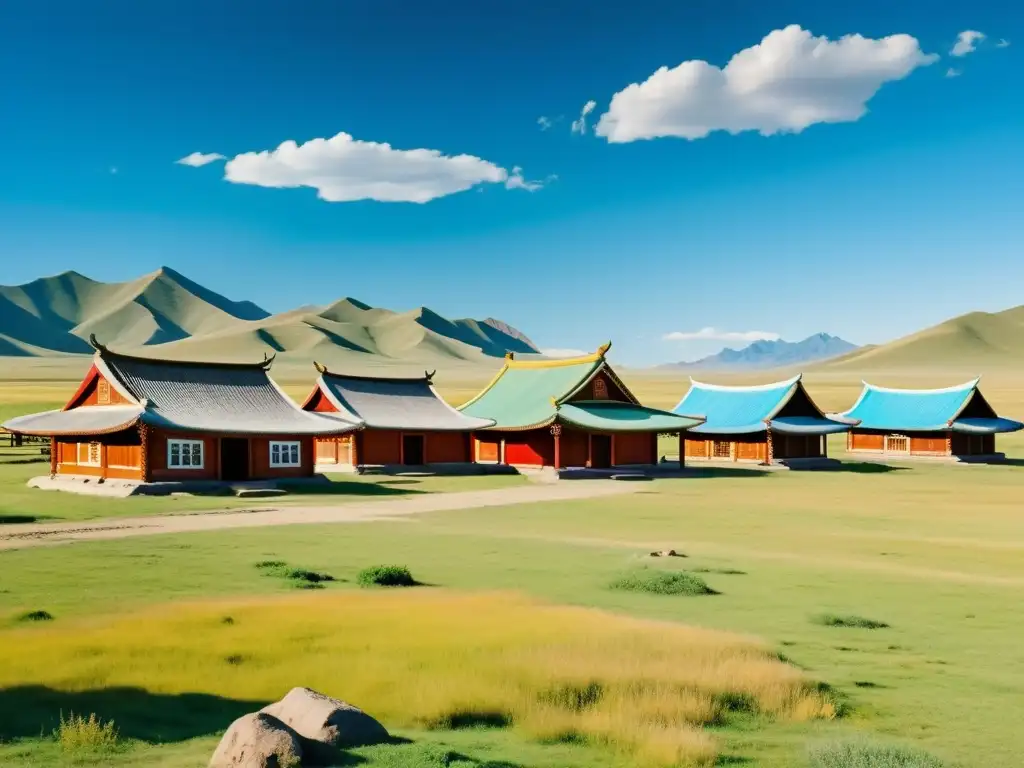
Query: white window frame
{"x": 88, "y": 449}
{"x": 182, "y": 446}
{"x": 285, "y": 446}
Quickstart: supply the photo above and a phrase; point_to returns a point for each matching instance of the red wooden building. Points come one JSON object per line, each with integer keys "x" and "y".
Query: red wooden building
{"x": 403, "y": 421}
{"x": 148, "y": 420}
{"x": 567, "y": 413}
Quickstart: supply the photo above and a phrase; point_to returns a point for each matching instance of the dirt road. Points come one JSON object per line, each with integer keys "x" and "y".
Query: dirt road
{"x": 33, "y": 535}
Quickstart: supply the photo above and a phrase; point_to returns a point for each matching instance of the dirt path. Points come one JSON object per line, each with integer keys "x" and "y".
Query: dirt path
{"x": 31, "y": 535}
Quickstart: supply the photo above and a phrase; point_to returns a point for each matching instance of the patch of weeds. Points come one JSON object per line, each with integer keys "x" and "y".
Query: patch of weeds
{"x": 575, "y": 698}
{"x": 863, "y": 753}
{"x": 36, "y": 616}
{"x": 234, "y": 659}
{"x": 78, "y": 735}
{"x": 271, "y": 567}
{"x": 663, "y": 583}
{"x": 227, "y": 620}
{"x": 720, "y": 571}
{"x": 732, "y": 701}
{"x": 302, "y": 578}
{"x": 386, "y": 576}
{"x": 866, "y": 684}
{"x": 309, "y": 577}
{"x": 849, "y": 621}
{"x": 467, "y": 719}
{"x": 847, "y": 649}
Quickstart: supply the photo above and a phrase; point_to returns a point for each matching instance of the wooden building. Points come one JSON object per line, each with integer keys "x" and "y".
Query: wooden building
{"x": 767, "y": 424}
{"x": 954, "y": 423}
{"x": 567, "y": 413}
{"x": 148, "y": 420}
{"x": 402, "y": 422}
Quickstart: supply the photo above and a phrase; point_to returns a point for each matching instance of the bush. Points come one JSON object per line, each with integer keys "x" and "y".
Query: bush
{"x": 303, "y": 579}
{"x": 79, "y": 734}
{"x": 386, "y": 576}
{"x": 867, "y": 754}
{"x": 856, "y": 622}
{"x": 36, "y": 616}
{"x": 663, "y": 583}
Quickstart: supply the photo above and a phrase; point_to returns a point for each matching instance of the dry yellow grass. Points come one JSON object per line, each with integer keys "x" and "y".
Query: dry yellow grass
{"x": 436, "y": 658}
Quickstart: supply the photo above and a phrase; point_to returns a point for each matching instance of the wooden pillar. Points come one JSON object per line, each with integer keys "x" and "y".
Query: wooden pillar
{"x": 590, "y": 450}
{"x": 611, "y": 462}
{"x": 556, "y": 431}
{"x": 53, "y": 457}
{"x": 849, "y": 440}
{"x": 771, "y": 446}
{"x": 824, "y": 446}
{"x": 949, "y": 443}
{"x": 145, "y": 473}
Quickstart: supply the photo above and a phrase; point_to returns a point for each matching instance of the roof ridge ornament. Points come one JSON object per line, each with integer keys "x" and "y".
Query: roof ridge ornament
{"x": 320, "y": 367}
{"x": 429, "y": 376}
{"x": 603, "y": 349}
{"x": 510, "y": 355}
{"x": 268, "y": 360}
{"x": 95, "y": 344}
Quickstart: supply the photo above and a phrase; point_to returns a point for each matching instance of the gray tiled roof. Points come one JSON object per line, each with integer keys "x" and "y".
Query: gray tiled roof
{"x": 408, "y": 404}
{"x": 92, "y": 420}
{"x": 212, "y": 397}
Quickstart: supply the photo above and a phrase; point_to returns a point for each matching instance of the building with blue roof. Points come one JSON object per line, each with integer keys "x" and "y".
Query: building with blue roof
{"x": 953, "y": 423}
{"x": 774, "y": 423}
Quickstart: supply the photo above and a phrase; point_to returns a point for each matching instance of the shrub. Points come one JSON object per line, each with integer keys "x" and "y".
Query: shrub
{"x": 303, "y": 578}
{"x": 867, "y": 754}
{"x": 386, "y": 576}
{"x": 310, "y": 577}
{"x": 36, "y": 616}
{"x": 857, "y": 622}
{"x": 663, "y": 583}
{"x": 77, "y": 734}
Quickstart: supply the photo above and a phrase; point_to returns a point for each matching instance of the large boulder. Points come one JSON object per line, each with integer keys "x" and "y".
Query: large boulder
{"x": 325, "y": 724}
{"x": 258, "y": 740}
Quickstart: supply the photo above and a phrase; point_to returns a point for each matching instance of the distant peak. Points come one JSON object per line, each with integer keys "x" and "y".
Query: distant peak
{"x": 351, "y": 302}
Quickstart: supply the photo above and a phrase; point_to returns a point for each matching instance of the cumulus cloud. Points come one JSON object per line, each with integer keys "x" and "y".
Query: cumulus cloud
{"x": 966, "y": 42}
{"x": 1003, "y": 43}
{"x": 953, "y": 72}
{"x": 580, "y": 125}
{"x": 714, "y": 334}
{"x": 789, "y": 81}
{"x": 544, "y": 122}
{"x": 197, "y": 159}
{"x": 344, "y": 169}
{"x": 559, "y": 352}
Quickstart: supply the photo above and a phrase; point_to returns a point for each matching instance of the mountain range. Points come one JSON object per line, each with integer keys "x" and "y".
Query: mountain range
{"x": 765, "y": 354}
{"x": 172, "y": 316}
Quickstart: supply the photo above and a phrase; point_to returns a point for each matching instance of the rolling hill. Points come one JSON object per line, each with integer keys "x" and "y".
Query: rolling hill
{"x": 169, "y": 315}
{"x": 766, "y": 354}
{"x": 971, "y": 344}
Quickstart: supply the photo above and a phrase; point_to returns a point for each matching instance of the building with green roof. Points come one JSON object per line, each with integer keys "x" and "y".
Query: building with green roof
{"x": 567, "y": 413}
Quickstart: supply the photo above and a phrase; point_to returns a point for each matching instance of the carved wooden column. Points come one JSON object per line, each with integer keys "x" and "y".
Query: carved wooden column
{"x": 144, "y": 469}
{"x": 824, "y": 446}
{"x": 949, "y": 443}
{"x": 556, "y": 430}
{"x": 53, "y": 457}
{"x": 771, "y": 446}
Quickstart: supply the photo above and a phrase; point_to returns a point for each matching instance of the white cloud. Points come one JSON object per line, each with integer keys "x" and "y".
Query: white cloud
{"x": 557, "y": 352}
{"x": 713, "y": 334}
{"x": 953, "y": 72}
{"x": 197, "y": 159}
{"x": 344, "y": 169}
{"x": 966, "y": 42}
{"x": 544, "y": 122}
{"x": 580, "y": 125}
{"x": 516, "y": 180}
{"x": 788, "y": 82}
{"x": 1003, "y": 43}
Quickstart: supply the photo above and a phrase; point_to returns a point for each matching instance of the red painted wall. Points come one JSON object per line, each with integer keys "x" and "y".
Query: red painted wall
{"x": 533, "y": 448}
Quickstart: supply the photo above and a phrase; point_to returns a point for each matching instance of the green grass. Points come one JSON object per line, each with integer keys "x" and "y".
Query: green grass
{"x": 849, "y": 621}
{"x": 934, "y": 550}
{"x": 866, "y": 754}
{"x": 662, "y": 583}
{"x": 386, "y": 576}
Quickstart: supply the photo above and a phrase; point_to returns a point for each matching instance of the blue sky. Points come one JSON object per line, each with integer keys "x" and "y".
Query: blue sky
{"x": 868, "y": 227}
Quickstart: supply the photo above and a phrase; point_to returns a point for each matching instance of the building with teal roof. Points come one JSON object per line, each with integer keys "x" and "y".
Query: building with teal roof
{"x": 951, "y": 423}
{"x": 775, "y": 423}
{"x": 567, "y": 413}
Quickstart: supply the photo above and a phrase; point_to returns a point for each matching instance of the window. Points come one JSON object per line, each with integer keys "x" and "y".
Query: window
{"x": 89, "y": 454}
{"x": 897, "y": 444}
{"x": 185, "y": 454}
{"x": 722, "y": 450}
{"x": 284, "y": 454}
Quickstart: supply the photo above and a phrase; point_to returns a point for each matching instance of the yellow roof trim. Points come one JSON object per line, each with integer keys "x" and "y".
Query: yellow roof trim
{"x": 488, "y": 388}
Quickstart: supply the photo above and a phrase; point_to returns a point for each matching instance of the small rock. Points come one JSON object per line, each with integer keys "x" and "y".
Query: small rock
{"x": 666, "y": 553}
{"x": 258, "y": 740}
{"x": 324, "y": 723}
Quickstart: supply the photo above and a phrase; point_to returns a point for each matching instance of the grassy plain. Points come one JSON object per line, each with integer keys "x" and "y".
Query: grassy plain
{"x": 934, "y": 552}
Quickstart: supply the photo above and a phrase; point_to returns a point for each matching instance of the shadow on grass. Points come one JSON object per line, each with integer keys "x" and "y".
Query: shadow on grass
{"x": 345, "y": 488}
{"x": 30, "y": 710}
{"x": 9, "y": 519}
{"x": 863, "y": 468}
{"x": 693, "y": 471}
